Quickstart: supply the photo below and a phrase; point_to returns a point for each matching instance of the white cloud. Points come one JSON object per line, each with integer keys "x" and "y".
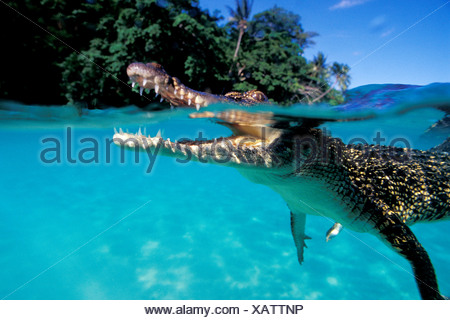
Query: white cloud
{"x": 380, "y": 25}
{"x": 378, "y": 22}
{"x": 149, "y": 278}
{"x": 149, "y": 247}
{"x": 343, "y": 4}
{"x": 387, "y": 32}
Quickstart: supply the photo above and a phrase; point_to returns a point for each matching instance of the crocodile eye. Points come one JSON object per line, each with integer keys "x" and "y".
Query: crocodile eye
{"x": 155, "y": 65}
{"x": 258, "y": 96}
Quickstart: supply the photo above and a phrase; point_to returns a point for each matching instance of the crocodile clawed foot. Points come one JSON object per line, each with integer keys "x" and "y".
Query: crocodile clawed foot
{"x": 333, "y": 231}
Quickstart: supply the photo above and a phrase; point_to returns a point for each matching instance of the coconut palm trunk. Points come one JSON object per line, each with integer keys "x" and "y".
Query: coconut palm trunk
{"x": 340, "y": 71}
{"x": 239, "y": 16}
{"x": 238, "y": 45}
{"x": 326, "y": 92}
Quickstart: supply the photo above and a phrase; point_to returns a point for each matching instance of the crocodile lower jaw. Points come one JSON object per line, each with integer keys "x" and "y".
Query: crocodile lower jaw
{"x": 234, "y": 150}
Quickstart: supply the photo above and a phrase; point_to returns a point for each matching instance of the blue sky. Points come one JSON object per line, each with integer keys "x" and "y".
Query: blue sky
{"x": 383, "y": 41}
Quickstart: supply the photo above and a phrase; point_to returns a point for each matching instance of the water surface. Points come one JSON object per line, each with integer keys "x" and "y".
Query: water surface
{"x": 109, "y": 230}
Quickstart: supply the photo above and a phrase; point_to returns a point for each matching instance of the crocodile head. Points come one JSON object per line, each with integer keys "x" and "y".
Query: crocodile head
{"x": 258, "y": 140}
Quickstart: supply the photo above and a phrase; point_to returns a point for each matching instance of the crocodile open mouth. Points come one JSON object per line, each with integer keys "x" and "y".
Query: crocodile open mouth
{"x": 254, "y": 134}
{"x": 251, "y": 132}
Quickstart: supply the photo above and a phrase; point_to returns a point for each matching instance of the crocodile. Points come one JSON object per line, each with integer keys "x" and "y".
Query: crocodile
{"x": 376, "y": 189}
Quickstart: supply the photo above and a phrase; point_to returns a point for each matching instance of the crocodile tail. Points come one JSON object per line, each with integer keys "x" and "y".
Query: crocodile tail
{"x": 403, "y": 241}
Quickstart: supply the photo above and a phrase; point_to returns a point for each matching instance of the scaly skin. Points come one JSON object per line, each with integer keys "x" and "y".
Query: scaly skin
{"x": 375, "y": 189}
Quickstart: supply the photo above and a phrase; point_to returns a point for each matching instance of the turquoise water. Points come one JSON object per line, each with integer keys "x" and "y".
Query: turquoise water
{"x": 184, "y": 231}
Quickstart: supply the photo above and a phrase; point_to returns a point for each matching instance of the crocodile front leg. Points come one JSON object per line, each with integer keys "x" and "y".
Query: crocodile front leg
{"x": 402, "y": 240}
{"x": 333, "y": 231}
{"x": 298, "y": 222}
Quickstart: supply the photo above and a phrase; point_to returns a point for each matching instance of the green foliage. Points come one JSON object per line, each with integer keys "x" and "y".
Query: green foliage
{"x": 241, "y": 14}
{"x": 340, "y": 71}
{"x": 176, "y": 34}
{"x": 33, "y": 35}
{"x": 78, "y": 51}
{"x": 319, "y": 67}
{"x": 273, "y": 66}
{"x": 279, "y": 20}
{"x": 272, "y": 59}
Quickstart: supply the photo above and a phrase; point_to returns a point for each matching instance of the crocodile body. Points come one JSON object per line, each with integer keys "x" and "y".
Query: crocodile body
{"x": 376, "y": 189}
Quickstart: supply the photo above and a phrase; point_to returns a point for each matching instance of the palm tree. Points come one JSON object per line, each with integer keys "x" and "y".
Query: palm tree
{"x": 340, "y": 71}
{"x": 319, "y": 66}
{"x": 343, "y": 76}
{"x": 304, "y": 39}
{"x": 239, "y": 17}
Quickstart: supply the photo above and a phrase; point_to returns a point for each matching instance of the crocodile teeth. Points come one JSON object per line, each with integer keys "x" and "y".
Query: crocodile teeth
{"x": 147, "y": 142}
{"x": 157, "y": 88}
{"x": 144, "y": 82}
{"x": 139, "y": 132}
{"x": 194, "y": 150}
{"x": 141, "y": 89}
{"x": 161, "y": 100}
{"x": 175, "y": 92}
{"x": 115, "y": 130}
{"x": 199, "y": 99}
{"x": 131, "y": 143}
{"x": 170, "y": 144}
{"x": 197, "y": 106}
{"x": 133, "y": 84}
{"x": 158, "y": 135}
{"x": 120, "y": 131}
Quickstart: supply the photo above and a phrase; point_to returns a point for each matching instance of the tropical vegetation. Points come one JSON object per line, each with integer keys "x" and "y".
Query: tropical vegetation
{"x": 60, "y": 51}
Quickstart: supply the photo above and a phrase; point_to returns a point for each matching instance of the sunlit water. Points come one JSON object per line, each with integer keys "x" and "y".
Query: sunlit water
{"x": 110, "y": 230}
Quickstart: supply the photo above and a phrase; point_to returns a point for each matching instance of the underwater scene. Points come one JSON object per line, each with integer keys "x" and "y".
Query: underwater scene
{"x": 82, "y": 218}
